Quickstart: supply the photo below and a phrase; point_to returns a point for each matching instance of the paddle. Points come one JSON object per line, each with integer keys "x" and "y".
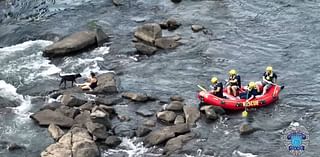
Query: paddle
{"x": 202, "y": 88}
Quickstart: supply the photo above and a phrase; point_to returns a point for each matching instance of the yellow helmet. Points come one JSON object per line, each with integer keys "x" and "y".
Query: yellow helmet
{"x": 269, "y": 68}
{"x": 252, "y": 85}
{"x": 232, "y": 72}
{"x": 214, "y": 80}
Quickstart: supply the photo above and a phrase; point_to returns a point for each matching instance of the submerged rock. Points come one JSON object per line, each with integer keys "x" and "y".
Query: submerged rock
{"x": 14, "y": 146}
{"x": 46, "y": 117}
{"x": 246, "y": 129}
{"x": 135, "y": 96}
{"x": 144, "y": 112}
{"x": 176, "y": 1}
{"x": 167, "y": 42}
{"x": 197, "y": 28}
{"x": 209, "y": 112}
{"x": 145, "y": 49}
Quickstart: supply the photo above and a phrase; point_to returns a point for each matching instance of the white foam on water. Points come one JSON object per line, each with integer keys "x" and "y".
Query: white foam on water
{"x": 9, "y": 92}
{"x": 241, "y": 154}
{"x": 27, "y": 66}
{"x": 101, "y": 50}
{"x": 132, "y": 149}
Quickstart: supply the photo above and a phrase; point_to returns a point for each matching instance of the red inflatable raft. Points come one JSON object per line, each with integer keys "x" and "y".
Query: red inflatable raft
{"x": 235, "y": 103}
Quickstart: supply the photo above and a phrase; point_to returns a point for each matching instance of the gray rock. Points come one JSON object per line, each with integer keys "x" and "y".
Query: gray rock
{"x": 144, "y": 112}
{"x": 46, "y": 117}
{"x": 14, "y": 147}
{"x": 108, "y": 100}
{"x": 219, "y": 110}
{"x": 142, "y": 131}
{"x": 149, "y": 123}
{"x": 177, "y": 143}
{"x": 97, "y": 130}
{"x": 135, "y": 96}
{"x": 101, "y": 37}
{"x": 192, "y": 115}
{"x": 83, "y": 118}
{"x": 55, "y": 132}
{"x": 117, "y": 2}
{"x": 148, "y": 32}
{"x": 123, "y": 118}
{"x": 175, "y": 106}
{"x": 77, "y": 142}
{"x": 87, "y": 106}
{"x": 167, "y": 42}
{"x": 102, "y": 118}
{"x": 107, "y": 84}
{"x": 246, "y": 129}
{"x": 179, "y": 120}
{"x": 145, "y": 49}
{"x": 209, "y": 112}
{"x": 52, "y": 106}
{"x": 167, "y": 116}
{"x": 172, "y": 24}
{"x": 159, "y": 136}
{"x": 73, "y": 99}
{"x": 197, "y": 28}
{"x": 71, "y": 44}
{"x": 113, "y": 141}
{"x": 68, "y": 111}
{"x": 108, "y": 109}
{"x": 176, "y": 98}
{"x": 176, "y": 1}
{"x": 124, "y": 130}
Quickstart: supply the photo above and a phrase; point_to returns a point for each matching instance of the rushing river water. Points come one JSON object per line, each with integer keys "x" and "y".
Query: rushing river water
{"x": 247, "y": 35}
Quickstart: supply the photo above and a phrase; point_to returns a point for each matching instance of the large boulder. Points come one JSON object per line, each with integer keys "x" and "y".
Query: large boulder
{"x": 192, "y": 114}
{"x": 135, "y": 96}
{"x": 166, "y": 116}
{"x": 159, "y": 136}
{"x": 83, "y": 118}
{"x": 148, "y": 32}
{"x": 55, "y": 131}
{"x": 101, "y": 37}
{"x": 77, "y": 142}
{"x": 97, "y": 130}
{"x": 107, "y": 84}
{"x": 145, "y": 49}
{"x": 46, "y": 117}
{"x": 102, "y": 118}
{"x": 177, "y": 143}
{"x": 71, "y": 44}
{"x": 175, "y": 106}
{"x": 73, "y": 99}
{"x": 167, "y": 42}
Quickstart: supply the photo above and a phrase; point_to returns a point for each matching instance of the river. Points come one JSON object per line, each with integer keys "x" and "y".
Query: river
{"x": 247, "y": 35}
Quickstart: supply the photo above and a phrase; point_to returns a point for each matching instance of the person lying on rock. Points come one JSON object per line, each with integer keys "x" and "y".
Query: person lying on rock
{"x": 91, "y": 83}
{"x": 216, "y": 87}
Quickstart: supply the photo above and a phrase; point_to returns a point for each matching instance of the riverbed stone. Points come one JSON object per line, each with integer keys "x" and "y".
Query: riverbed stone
{"x": 73, "y": 99}
{"x": 179, "y": 120}
{"x": 107, "y": 84}
{"x": 167, "y": 42}
{"x": 177, "y": 143}
{"x": 46, "y": 117}
{"x": 167, "y": 116}
{"x": 71, "y": 44}
{"x": 142, "y": 131}
{"x": 246, "y": 129}
{"x": 145, "y": 49}
{"x": 197, "y": 28}
{"x": 192, "y": 114}
{"x": 177, "y": 98}
{"x": 96, "y": 129}
{"x": 55, "y": 131}
{"x": 113, "y": 141}
{"x": 135, "y": 96}
{"x": 148, "y": 32}
{"x": 68, "y": 111}
{"x": 175, "y": 106}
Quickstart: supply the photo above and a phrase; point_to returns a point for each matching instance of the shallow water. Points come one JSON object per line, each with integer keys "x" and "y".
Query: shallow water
{"x": 247, "y": 35}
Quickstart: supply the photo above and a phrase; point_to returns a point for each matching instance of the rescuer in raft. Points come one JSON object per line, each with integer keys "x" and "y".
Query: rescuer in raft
{"x": 216, "y": 87}
{"x": 269, "y": 78}
{"x": 234, "y": 83}
{"x": 250, "y": 93}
